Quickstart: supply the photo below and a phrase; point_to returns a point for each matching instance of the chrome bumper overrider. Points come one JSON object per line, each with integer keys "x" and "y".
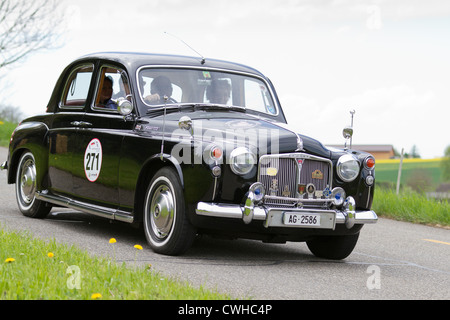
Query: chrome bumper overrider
{"x": 273, "y": 217}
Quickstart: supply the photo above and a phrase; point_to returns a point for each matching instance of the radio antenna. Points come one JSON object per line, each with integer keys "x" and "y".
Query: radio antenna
{"x": 201, "y": 56}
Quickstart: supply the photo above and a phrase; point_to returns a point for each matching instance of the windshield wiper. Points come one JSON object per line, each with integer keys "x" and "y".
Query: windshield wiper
{"x": 211, "y": 106}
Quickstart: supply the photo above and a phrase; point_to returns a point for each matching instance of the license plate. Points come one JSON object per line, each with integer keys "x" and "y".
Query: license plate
{"x": 298, "y": 219}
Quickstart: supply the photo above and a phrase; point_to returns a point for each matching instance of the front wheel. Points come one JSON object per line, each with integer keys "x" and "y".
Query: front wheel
{"x": 333, "y": 247}
{"x": 166, "y": 226}
{"x": 26, "y": 188}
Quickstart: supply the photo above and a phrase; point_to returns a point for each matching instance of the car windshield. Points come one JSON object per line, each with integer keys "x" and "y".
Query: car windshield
{"x": 159, "y": 86}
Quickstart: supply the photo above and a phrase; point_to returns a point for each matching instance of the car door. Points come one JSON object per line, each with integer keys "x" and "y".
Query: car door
{"x": 97, "y": 155}
{"x": 64, "y": 128}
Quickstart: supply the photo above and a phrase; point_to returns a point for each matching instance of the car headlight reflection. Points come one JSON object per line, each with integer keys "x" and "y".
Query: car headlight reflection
{"x": 347, "y": 168}
{"x": 242, "y": 161}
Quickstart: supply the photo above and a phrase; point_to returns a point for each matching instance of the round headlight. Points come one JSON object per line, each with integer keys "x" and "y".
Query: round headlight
{"x": 347, "y": 168}
{"x": 242, "y": 160}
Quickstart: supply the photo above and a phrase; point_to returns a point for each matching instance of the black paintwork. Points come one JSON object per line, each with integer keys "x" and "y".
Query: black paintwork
{"x": 132, "y": 145}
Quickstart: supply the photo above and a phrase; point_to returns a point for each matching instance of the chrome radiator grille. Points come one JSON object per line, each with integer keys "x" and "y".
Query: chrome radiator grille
{"x": 293, "y": 178}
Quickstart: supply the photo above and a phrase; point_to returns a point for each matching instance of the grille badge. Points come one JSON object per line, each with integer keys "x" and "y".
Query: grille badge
{"x": 301, "y": 189}
{"x": 273, "y": 187}
{"x": 310, "y": 188}
{"x": 317, "y": 174}
{"x": 286, "y": 191}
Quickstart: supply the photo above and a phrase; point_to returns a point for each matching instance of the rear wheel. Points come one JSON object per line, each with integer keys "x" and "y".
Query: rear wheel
{"x": 166, "y": 226}
{"x": 333, "y": 247}
{"x": 26, "y": 188}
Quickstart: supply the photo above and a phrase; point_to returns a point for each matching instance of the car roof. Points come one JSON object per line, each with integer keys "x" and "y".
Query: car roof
{"x": 135, "y": 60}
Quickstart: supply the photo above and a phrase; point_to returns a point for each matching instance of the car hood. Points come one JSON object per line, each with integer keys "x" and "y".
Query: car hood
{"x": 235, "y": 128}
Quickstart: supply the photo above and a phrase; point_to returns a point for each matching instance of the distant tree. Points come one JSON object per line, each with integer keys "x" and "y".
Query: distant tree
{"x": 10, "y": 113}
{"x": 445, "y": 165}
{"x": 414, "y": 153}
{"x": 26, "y": 27}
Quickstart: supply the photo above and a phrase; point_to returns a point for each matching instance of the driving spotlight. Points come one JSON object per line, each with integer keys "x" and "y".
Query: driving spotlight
{"x": 258, "y": 190}
{"x": 338, "y": 196}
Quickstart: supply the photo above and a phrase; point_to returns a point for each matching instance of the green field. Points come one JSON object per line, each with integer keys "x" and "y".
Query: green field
{"x": 426, "y": 174}
{"x": 6, "y": 129}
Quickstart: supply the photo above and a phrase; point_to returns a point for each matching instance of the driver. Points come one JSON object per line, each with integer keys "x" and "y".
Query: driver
{"x": 219, "y": 91}
{"x": 160, "y": 87}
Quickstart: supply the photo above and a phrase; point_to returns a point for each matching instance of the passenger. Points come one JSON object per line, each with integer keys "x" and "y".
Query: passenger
{"x": 105, "y": 100}
{"x": 219, "y": 92}
{"x": 160, "y": 87}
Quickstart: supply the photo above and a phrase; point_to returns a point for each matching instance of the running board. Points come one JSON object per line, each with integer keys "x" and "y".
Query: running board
{"x": 112, "y": 214}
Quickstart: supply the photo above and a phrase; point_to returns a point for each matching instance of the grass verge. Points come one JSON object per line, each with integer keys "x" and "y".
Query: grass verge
{"x": 33, "y": 269}
{"x": 411, "y": 207}
{"x": 6, "y": 129}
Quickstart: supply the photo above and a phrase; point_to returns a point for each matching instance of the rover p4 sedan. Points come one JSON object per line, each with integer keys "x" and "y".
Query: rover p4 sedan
{"x": 183, "y": 146}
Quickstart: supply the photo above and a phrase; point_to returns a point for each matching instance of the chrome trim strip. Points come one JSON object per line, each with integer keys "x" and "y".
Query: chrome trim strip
{"x": 112, "y": 214}
{"x": 297, "y": 200}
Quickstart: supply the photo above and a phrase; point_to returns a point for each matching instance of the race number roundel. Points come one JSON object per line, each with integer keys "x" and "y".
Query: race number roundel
{"x": 93, "y": 160}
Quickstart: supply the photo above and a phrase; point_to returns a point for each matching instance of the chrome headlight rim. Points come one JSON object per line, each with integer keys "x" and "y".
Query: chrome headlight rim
{"x": 348, "y": 168}
{"x": 236, "y": 156}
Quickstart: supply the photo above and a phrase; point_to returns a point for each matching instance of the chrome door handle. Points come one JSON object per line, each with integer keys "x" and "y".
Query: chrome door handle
{"x": 82, "y": 124}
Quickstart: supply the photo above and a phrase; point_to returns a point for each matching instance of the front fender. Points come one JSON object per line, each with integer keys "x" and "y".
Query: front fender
{"x": 31, "y": 136}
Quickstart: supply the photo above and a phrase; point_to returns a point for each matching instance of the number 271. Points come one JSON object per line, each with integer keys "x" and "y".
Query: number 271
{"x": 90, "y": 158}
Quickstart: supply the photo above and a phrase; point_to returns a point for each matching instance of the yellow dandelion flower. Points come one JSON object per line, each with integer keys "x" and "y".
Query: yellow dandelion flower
{"x": 50, "y": 255}
{"x": 96, "y": 296}
{"x": 9, "y": 260}
{"x": 112, "y": 240}
{"x": 138, "y": 247}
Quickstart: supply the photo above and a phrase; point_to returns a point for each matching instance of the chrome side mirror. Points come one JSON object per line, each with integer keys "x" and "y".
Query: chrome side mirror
{"x": 347, "y": 132}
{"x": 185, "y": 123}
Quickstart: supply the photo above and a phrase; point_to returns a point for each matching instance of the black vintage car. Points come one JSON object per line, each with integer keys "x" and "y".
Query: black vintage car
{"x": 185, "y": 146}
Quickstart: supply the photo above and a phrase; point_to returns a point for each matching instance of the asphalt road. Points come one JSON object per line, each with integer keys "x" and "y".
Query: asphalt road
{"x": 392, "y": 260}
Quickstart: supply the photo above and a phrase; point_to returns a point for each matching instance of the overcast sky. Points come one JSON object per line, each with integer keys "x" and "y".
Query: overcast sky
{"x": 388, "y": 60}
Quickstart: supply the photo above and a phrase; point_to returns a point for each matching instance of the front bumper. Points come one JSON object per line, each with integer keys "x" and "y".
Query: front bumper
{"x": 274, "y": 217}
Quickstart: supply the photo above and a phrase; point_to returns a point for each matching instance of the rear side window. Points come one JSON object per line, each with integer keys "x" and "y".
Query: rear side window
{"x": 77, "y": 87}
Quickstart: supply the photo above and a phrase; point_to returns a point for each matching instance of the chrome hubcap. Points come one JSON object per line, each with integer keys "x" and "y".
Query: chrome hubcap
{"x": 28, "y": 181}
{"x": 162, "y": 211}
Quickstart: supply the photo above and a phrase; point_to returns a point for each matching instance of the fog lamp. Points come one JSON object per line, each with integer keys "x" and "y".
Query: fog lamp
{"x": 258, "y": 190}
{"x": 338, "y": 196}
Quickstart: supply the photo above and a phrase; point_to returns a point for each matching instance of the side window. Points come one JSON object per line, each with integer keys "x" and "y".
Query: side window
{"x": 77, "y": 87}
{"x": 113, "y": 85}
